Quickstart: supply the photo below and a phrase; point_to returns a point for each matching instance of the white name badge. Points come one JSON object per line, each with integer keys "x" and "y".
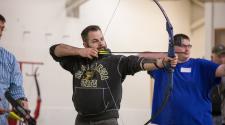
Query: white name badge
{"x": 187, "y": 70}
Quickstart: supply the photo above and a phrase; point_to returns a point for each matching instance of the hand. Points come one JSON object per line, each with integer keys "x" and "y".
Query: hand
{"x": 24, "y": 104}
{"x": 88, "y": 52}
{"x": 163, "y": 62}
{"x": 170, "y": 61}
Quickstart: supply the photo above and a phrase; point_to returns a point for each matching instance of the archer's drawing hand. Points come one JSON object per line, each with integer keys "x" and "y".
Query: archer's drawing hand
{"x": 88, "y": 52}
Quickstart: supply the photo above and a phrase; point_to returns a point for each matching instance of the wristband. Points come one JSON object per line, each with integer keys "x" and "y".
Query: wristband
{"x": 164, "y": 65}
{"x": 23, "y": 99}
{"x": 155, "y": 63}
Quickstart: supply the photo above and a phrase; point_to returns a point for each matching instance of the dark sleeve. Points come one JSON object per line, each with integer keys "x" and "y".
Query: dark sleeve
{"x": 52, "y": 53}
{"x": 130, "y": 65}
{"x": 68, "y": 62}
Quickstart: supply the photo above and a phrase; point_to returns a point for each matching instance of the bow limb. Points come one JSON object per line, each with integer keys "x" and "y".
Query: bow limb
{"x": 171, "y": 53}
{"x": 38, "y": 103}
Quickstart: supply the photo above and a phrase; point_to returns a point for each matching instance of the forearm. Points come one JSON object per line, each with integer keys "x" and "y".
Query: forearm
{"x": 152, "y": 64}
{"x": 152, "y": 55}
{"x": 66, "y": 50}
{"x": 152, "y": 61}
{"x": 16, "y": 83}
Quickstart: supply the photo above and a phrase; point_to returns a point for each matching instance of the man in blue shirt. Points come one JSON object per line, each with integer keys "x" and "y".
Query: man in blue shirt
{"x": 10, "y": 79}
{"x": 189, "y": 103}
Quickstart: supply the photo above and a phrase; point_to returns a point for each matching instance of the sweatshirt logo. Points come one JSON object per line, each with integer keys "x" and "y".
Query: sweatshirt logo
{"x": 88, "y": 75}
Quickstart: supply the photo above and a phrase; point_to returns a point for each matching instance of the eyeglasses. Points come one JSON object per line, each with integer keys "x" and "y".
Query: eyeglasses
{"x": 185, "y": 46}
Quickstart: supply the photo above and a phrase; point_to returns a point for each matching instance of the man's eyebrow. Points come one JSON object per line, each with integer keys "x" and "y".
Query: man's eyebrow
{"x": 94, "y": 39}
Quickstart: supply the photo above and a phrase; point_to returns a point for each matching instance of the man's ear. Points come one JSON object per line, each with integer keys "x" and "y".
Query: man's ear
{"x": 85, "y": 44}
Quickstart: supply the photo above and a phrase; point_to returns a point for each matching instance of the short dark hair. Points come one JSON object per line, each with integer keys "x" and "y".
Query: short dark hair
{"x": 2, "y": 18}
{"x": 178, "y": 39}
{"x": 84, "y": 33}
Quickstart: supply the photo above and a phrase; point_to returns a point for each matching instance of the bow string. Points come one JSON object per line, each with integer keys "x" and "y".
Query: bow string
{"x": 171, "y": 53}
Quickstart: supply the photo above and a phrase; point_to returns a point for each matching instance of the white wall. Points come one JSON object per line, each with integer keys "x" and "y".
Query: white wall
{"x": 137, "y": 26}
{"x": 213, "y": 22}
{"x": 198, "y": 43}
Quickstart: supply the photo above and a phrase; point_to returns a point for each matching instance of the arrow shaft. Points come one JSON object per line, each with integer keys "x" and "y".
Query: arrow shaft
{"x": 134, "y": 52}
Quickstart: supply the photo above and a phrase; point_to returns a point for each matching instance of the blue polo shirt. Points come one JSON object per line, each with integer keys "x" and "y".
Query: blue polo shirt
{"x": 189, "y": 103}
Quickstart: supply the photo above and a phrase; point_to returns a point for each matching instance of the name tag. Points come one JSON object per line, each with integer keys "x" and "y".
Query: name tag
{"x": 187, "y": 70}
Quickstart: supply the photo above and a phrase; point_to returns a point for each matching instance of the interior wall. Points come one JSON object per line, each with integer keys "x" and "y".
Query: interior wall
{"x": 33, "y": 26}
{"x": 198, "y": 43}
{"x": 214, "y": 19}
{"x": 197, "y": 35}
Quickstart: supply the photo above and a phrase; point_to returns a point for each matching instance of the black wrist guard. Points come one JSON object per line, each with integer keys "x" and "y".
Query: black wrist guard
{"x": 23, "y": 99}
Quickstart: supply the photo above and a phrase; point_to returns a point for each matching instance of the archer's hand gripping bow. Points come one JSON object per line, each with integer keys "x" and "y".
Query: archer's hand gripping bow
{"x": 22, "y": 112}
